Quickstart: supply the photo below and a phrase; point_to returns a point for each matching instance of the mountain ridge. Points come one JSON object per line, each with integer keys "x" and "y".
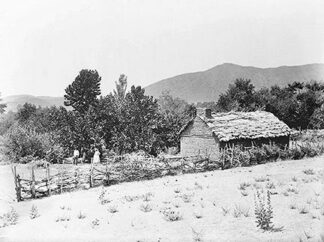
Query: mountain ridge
{"x": 207, "y": 85}
{"x": 201, "y": 85}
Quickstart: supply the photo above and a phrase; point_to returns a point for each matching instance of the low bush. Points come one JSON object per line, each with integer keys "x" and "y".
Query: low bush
{"x": 238, "y": 156}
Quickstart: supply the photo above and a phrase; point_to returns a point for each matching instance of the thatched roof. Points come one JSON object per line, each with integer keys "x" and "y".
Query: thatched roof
{"x": 246, "y": 125}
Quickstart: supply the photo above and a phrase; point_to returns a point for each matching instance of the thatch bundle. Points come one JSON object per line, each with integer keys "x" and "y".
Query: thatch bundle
{"x": 246, "y": 125}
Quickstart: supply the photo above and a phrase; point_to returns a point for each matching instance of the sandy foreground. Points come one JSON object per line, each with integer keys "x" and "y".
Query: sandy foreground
{"x": 205, "y": 204}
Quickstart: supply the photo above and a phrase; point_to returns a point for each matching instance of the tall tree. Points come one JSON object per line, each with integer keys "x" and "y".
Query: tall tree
{"x": 83, "y": 91}
{"x": 121, "y": 87}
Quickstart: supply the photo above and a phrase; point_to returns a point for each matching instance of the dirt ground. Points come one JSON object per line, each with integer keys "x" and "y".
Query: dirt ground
{"x": 204, "y": 206}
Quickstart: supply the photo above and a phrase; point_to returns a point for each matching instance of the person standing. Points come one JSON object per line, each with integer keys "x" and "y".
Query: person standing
{"x": 76, "y": 155}
{"x": 96, "y": 156}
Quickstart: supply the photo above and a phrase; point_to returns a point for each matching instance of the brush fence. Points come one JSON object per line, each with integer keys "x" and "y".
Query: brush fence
{"x": 113, "y": 171}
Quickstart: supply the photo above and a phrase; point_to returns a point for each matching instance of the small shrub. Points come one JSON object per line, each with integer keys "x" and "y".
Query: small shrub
{"x": 95, "y": 223}
{"x": 112, "y": 209}
{"x": 315, "y": 216}
{"x": 257, "y": 186}
{"x": 131, "y": 198}
{"x": 63, "y": 218}
{"x": 147, "y": 197}
{"x": 187, "y": 198}
{"x": 244, "y": 185}
{"x": 9, "y": 218}
{"x": 198, "y": 214}
{"x": 238, "y": 211}
{"x": 198, "y": 186}
{"x": 102, "y": 197}
{"x": 197, "y": 236}
{"x": 171, "y": 215}
{"x": 292, "y": 189}
{"x": 270, "y": 185}
{"x": 309, "y": 172}
{"x": 244, "y": 193}
{"x": 294, "y": 179}
{"x": 263, "y": 211}
{"x": 225, "y": 210}
{"x": 304, "y": 210}
{"x": 262, "y": 179}
{"x": 34, "y": 212}
{"x": 81, "y": 215}
{"x": 308, "y": 235}
{"x": 285, "y": 193}
{"x": 292, "y": 206}
{"x": 177, "y": 190}
{"x": 146, "y": 208}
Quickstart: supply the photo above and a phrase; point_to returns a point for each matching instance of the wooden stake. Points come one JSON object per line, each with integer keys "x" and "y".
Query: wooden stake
{"x": 91, "y": 169}
{"x": 17, "y": 183}
{"x": 48, "y": 181}
{"x": 107, "y": 174}
{"x": 19, "y": 197}
{"x": 33, "y": 191}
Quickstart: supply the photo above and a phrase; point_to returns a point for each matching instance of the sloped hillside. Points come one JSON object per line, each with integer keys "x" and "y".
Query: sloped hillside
{"x": 207, "y": 85}
{"x": 13, "y": 102}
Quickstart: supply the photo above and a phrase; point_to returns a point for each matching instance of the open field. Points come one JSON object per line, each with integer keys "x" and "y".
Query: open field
{"x": 210, "y": 206}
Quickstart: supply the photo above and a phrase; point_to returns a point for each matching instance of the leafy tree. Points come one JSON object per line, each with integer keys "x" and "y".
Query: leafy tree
{"x": 137, "y": 121}
{"x": 6, "y": 121}
{"x": 2, "y": 106}
{"x": 83, "y": 92}
{"x": 25, "y": 113}
{"x": 175, "y": 113}
{"x": 317, "y": 118}
{"x": 238, "y": 97}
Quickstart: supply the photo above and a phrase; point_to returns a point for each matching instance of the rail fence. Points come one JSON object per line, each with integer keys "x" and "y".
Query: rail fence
{"x": 112, "y": 171}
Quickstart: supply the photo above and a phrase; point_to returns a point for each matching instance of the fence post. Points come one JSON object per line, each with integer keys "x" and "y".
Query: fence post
{"x": 107, "y": 174}
{"x": 19, "y": 197}
{"x": 76, "y": 177}
{"x": 17, "y": 184}
{"x": 91, "y": 169}
{"x": 61, "y": 181}
{"x": 33, "y": 191}
{"x": 48, "y": 180}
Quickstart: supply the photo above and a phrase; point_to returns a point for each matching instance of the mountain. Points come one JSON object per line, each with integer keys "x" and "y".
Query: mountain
{"x": 207, "y": 85}
{"x": 13, "y": 102}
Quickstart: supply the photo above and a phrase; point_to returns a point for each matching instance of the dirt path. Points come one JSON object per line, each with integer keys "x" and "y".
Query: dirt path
{"x": 199, "y": 199}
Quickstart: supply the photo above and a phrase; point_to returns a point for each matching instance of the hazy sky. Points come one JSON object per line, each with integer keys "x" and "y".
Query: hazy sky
{"x": 44, "y": 44}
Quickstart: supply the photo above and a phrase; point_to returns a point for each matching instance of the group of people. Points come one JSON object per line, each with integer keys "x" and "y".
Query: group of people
{"x": 76, "y": 156}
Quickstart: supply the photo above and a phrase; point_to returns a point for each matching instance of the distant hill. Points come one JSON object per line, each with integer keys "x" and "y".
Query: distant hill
{"x": 13, "y": 102}
{"x": 207, "y": 85}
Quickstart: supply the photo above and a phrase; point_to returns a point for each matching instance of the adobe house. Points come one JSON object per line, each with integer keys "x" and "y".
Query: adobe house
{"x": 208, "y": 132}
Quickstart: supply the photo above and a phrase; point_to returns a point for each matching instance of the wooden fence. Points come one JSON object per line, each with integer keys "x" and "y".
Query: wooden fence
{"x": 113, "y": 171}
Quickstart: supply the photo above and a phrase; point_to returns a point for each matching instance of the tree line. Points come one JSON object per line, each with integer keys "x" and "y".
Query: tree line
{"x": 125, "y": 120}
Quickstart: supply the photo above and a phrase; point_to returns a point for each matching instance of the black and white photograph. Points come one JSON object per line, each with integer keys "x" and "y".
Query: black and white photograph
{"x": 161, "y": 120}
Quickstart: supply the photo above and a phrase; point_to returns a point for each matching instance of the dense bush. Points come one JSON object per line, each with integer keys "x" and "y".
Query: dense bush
{"x": 23, "y": 144}
{"x": 238, "y": 156}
